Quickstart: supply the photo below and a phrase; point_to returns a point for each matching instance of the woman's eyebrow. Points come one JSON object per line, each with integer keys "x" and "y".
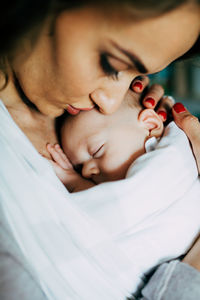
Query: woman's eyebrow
{"x": 133, "y": 58}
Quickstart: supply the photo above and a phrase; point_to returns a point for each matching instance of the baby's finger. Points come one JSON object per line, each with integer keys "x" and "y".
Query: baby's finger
{"x": 63, "y": 155}
{"x": 191, "y": 126}
{"x": 139, "y": 83}
{"x": 65, "y": 164}
{"x": 153, "y": 96}
{"x": 164, "y": 107}
{"x": 60, "y": 151}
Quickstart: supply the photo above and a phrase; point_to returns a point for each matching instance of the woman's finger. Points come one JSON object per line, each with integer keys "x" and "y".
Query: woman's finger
{"x": 164, "y": 107}
{"x": 153, "y": 96}
{"x": 139, "y": 84}
{"x": 191, "y": 126}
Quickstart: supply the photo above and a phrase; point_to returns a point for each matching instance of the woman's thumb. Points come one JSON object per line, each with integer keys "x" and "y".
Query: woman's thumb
{"x": 186, "y": 121}
{"x": 190, "y": 125}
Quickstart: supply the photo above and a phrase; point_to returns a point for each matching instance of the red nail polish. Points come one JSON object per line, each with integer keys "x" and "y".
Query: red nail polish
{"x": 150, "y": 101}
{"x": 163, "y": 114}
{"x": 138, "y": 85}
{"x": 179, "y": 108}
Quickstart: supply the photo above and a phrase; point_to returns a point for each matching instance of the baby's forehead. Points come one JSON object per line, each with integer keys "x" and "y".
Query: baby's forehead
{"x": 85, "y": 120}
{"x": 94, "y": 118}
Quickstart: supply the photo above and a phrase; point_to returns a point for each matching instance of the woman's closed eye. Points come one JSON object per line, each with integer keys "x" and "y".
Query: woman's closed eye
{"x": 112, "y": 65}
{"x": 107, "y": 67}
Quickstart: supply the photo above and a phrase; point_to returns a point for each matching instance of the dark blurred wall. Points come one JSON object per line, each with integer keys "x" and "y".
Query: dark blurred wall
{"x": 182, "y": 81}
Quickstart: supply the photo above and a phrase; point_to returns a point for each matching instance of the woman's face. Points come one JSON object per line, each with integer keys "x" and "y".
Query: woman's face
{"x": 92, "y": 57}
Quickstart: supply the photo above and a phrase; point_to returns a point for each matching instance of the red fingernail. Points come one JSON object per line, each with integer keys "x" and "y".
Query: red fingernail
{"x": 138, "y": 85}
{"x": 150, "y": 101}
{"x": 179, "y": 108}
{"x": 163, "y": 114}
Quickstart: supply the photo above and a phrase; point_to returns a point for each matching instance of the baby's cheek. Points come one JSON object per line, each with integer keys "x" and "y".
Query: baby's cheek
{"x": 113, "y": 170}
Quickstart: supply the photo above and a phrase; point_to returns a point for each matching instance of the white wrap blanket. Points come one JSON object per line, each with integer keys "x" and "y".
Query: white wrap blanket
{"x": 98, "y": 244}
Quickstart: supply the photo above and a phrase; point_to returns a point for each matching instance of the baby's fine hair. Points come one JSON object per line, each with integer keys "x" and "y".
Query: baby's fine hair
{"x": 135, "y": 102}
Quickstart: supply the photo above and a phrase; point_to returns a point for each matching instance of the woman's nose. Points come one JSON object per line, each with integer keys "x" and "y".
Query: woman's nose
{"x": 109, "y": 101}
{"x": 90, "y": 168}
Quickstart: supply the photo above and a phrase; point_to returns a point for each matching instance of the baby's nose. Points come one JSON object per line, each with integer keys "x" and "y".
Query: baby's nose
{"x": 90, "y": 168}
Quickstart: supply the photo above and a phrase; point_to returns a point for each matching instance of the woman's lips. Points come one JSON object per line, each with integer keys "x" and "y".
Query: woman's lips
{"x": 74, "y": 111}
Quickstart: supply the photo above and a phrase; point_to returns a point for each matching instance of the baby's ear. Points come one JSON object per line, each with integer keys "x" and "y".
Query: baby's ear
{"x": 150, "y": 120}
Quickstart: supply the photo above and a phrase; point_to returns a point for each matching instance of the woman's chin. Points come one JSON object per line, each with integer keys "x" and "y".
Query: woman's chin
{"x": 51, "y": 111}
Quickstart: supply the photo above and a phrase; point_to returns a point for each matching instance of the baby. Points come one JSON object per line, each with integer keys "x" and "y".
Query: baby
{"x": 134, "y": 224}
{"x": 102, "y": 147}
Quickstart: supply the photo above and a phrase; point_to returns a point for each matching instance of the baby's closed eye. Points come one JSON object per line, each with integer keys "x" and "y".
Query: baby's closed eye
{"x": 98, "y": 152}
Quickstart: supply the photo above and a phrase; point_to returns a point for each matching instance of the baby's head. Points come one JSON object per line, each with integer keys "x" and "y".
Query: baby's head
{"x": 104, "y": 146}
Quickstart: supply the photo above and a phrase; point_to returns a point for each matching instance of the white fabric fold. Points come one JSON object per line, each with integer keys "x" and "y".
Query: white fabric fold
{"x": 98, "y": 244}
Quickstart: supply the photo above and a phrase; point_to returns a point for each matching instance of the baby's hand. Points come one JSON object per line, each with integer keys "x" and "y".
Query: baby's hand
{"x": 65, "y": 171}
{"x": 61, "y": 164}
{"x": 59, "y": 157}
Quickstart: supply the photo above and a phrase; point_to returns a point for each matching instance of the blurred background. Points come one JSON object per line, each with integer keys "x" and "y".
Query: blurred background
{"x": 182, "y": 81}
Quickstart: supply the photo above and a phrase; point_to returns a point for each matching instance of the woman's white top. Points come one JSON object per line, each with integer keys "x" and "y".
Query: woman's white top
{"x": 99, "y": 243}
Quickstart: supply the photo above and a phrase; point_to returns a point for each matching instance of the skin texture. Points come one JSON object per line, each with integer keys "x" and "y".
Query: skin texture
{"x": 104, "y": 146}
{"x": 193, "y": 256}
{"x": 191, "y": 126}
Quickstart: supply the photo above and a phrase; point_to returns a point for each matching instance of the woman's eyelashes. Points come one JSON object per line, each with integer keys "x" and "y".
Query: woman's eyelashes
{"x": 107, "y": 67}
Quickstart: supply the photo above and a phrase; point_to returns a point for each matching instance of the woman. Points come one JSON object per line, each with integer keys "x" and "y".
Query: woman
{"x": 89, "y": 55}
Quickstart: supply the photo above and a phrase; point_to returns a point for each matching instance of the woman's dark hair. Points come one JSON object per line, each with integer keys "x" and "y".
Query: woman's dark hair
{"x": 18, "y": 18}
{"x": 21, "y": 16}
{"x": 151, "y": 7}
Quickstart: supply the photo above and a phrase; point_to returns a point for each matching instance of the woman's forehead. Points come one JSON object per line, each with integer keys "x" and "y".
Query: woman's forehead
{"x": 161, "y": 38}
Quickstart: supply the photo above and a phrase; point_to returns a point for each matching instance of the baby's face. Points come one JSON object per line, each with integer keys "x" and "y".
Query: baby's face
{"x": 103, "y": 146}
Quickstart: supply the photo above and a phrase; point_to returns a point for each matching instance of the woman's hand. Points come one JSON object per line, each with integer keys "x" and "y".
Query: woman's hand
{"x": 191, "y": 126}
{"x": 154, "y": 96}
